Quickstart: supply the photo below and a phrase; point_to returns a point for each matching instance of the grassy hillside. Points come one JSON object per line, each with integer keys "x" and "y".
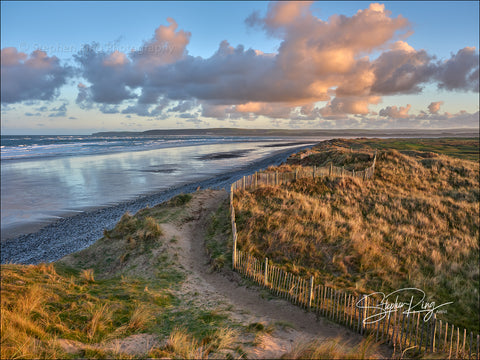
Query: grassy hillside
{"x": 462, "y": 148}
{"x": 121, "y": 292}
{"x": 415, "y": 225}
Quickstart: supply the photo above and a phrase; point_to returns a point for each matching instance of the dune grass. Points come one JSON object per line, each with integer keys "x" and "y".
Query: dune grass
{"x": 332, "y": 349}
{"x": 415, "y": 225}
{"x": 121, "y": 286}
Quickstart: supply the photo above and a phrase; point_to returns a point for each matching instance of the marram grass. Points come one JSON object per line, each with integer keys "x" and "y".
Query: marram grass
{"x": 415, "y": 224}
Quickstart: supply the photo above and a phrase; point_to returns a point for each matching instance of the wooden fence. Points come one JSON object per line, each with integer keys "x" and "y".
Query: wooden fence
{"x": 362, "y": 313}
{"x": 278, "y": 178}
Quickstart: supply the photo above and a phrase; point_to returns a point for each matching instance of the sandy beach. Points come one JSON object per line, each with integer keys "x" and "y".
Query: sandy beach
{"x": 75, "y": 231}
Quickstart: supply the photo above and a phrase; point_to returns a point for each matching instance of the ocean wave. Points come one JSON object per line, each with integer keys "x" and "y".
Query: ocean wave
{"x": 35, "y": 147}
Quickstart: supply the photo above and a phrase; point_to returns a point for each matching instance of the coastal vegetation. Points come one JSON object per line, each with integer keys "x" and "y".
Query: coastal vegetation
{"x": 121, "y": 292}
{"x": 415, "y": 225}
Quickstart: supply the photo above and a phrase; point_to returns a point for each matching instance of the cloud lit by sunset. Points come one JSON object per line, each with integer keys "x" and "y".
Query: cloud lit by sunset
{"x": 324, "y": 72}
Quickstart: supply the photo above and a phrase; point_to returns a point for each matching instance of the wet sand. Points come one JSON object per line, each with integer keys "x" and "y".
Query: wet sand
{"x": 73, "y": 233}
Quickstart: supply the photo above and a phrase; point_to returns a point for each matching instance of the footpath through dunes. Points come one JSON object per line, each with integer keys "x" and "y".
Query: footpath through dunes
{"x": 147, "y": 288}
{"x": 245, "y": 304}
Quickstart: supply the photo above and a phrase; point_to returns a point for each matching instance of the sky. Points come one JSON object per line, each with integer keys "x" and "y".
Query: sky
{"x": 82, "y": 67}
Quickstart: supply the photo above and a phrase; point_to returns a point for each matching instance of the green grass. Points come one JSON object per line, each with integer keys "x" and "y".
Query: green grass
{"x": 218, "y": 240}
{"x": 415, "y": 225}
{"x": 462, "y": 148}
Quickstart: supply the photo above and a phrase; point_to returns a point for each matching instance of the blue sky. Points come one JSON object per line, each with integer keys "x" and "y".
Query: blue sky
{"x": 60, "y": 29}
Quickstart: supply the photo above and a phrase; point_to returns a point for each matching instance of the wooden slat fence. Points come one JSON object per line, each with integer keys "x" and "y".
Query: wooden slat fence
{"x": 278, "y": 178}
{"x": 400, "y": 329}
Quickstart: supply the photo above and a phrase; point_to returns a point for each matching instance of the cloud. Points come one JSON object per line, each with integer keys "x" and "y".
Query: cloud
{"x": 215, "y": 111}
{"x": 108, "y": 109}
{"x": 112, "y": 76}
{"x": 396, "y": 113}
{"x": 314, "y": 57}
{"x": 273, "y": 110}
{"x": 60, "y": 111}
{"x": 184, "y": 106}
{"x": 349, "y": 105}
{"x": 460, "y": 72}
{"x": 30, "y": 77}
{"x": 402, "y": 70}
{"x": 146, "y": 109}
{"x": 317, "y": 61}
{"x": 434, "y": 107}
{"x": 167, "y": 46}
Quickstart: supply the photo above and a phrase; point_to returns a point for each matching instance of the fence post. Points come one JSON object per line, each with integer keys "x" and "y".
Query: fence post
{"x": 314, "y": 168}
{"x": 458, "y": 342}
{"x": 357, "y": 320}
{"x": 296, "y": 174}
{"x": 234, "y": 253}
{"x": 471, "y": 344}
{"x": 364, "y": 313}
{"x": 310, "y": 294}
{"x": 243, "y": 183}
{"x": 478, "y": 346}
{"x": 266, "y": 272}
{"x": 276, "y": 177}
{"x": 331, "y": 169}
{"x": 434, "y": 330}
{"x": 451, "y": 342}
{"x": 353, "y": 173}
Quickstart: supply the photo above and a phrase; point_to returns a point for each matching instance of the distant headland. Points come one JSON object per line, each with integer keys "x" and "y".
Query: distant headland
{"x": 303, "y": 132}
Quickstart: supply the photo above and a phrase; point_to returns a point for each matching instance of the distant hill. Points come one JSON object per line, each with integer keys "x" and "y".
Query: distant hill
{"x": 302, "y": 133}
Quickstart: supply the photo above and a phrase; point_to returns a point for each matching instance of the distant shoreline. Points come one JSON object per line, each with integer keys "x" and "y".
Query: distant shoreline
{"x": 300, "y": 133}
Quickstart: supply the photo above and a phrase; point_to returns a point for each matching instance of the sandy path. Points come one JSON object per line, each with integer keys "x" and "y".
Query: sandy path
{"x": 224, "y": 290}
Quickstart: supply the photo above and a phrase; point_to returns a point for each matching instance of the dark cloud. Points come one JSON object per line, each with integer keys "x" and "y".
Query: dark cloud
{"x": 108, "y": 109}
{"x": 460, "y": 72}
{"x": 184, "y": 106}
{"x": 30, "y": 77}
{"x": 402, "y": 70}
{"x": 60, "y": 111}
{"x": 112, "y": 76}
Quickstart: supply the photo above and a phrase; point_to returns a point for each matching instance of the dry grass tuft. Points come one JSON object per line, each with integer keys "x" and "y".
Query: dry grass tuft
{"x": 88, "y": 275}
{"x": 184, "y": 345}
{"x": 332, "y": 349}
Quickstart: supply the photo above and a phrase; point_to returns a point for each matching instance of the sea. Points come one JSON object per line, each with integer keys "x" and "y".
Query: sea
{"x": 46, "y": 178}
